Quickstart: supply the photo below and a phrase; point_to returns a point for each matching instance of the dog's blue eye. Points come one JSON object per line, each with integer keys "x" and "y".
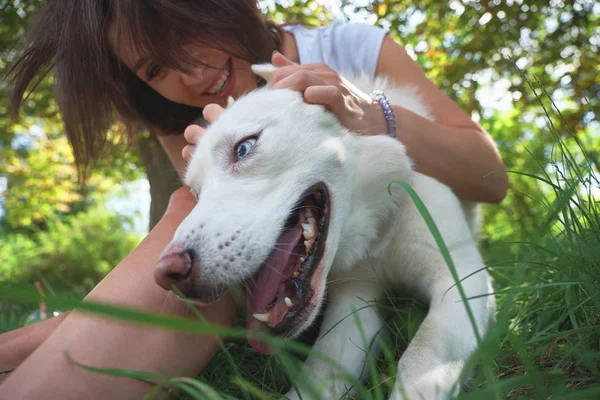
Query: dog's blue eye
{"x": 244, "y": 148}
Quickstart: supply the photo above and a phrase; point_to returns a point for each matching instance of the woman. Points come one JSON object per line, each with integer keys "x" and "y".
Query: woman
{"x": 164, "y": 63}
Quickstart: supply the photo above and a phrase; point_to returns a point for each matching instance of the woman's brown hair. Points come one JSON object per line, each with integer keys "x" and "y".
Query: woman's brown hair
{"x": 70, "y": 39}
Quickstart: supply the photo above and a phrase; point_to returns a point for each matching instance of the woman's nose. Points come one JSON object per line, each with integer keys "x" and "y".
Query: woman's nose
{"x": 192, "y": 77}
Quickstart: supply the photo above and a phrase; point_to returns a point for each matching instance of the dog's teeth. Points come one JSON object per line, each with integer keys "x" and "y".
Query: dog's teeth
{"x": 288, "y": 302}
{"x": 262, "y": 317}
{"x": 308, "y": 213}
{"x": 296, "y": 274}
{"x": 307, "y": 245}
{"x": 308, "y": 231}
{"x": 302, "y": 259}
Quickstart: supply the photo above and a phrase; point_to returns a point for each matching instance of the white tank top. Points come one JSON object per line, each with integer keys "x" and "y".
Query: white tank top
{"x": 348, "y": 48}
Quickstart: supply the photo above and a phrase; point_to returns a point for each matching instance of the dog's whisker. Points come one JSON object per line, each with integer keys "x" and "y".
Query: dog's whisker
{"x": 346, "y": 280}
{"x": 312, "y": 206}
{"x": 270, "y": 267}
{"x": 165, "y": 301}
{"x": 277, "y": 246}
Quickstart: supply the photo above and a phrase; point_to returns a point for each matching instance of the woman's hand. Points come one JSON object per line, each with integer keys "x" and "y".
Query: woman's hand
{"x": 181, "y": 204}
{"x": 319, "y": 84}
{"x": 193, "y": 132}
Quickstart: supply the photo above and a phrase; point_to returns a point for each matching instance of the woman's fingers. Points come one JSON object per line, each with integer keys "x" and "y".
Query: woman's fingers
{"x": 181, "y": 199}
{"x": 212, "y": 111}
{"x": 279, "y": 60}
{"x": 187, "y": 151}
{"x": 298, "y": 81}
{"x": 193, "y": 132}
{"x": 329, "y": 96}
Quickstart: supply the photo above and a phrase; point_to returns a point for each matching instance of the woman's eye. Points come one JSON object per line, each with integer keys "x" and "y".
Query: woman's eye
{"x": 244, "y": 148}
{"x": 152, "y": 71}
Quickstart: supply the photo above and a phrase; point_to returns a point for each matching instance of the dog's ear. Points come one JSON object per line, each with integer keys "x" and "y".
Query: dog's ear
{"x": 265, "y": 71}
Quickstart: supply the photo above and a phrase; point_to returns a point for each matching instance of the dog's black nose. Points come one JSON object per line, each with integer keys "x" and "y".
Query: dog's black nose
{"x": 175, "y": 268}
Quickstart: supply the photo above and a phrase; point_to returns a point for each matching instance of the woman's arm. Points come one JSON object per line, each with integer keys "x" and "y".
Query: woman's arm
{"x": 102, "y": 342}
{"x": 17, "y": 345}
{"x": 453, "y": 149}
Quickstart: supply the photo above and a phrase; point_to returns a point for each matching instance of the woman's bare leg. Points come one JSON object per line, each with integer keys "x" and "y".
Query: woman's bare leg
{"x": 102, "y": 342}
{"x": 17, "y": 345}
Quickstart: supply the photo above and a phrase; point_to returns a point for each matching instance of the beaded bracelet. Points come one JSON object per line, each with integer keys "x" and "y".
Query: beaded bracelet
{"x": 388, "y": 112}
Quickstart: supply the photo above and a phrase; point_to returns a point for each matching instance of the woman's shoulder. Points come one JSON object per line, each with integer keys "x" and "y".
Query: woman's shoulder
{"x": 336, "y": 26}
{"x": 348, "y": 48}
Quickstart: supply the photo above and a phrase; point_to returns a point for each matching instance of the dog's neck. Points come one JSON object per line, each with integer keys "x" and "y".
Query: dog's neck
{"x": 380, "y": 161}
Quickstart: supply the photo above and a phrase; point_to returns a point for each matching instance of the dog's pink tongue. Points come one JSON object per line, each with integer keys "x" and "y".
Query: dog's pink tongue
{"x": 263, "y": 288}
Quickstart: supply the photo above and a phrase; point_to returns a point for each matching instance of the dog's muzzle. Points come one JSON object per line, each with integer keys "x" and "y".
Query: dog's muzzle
{"x": 179, "y": 269}
{"x": 281, "y": 295}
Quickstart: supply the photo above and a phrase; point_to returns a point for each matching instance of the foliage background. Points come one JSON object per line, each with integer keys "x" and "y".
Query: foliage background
{"x": 507, "y": 63}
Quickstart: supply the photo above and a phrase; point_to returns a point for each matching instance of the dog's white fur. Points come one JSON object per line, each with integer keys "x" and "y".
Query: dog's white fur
{"x": 375, "y": 241}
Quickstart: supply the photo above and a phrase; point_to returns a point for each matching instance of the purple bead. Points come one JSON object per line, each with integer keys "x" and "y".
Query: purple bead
{"x": 388, "y": 112}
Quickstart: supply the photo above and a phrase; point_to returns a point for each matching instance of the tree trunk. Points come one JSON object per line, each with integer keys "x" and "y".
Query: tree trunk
{"x": 161, "y": 175}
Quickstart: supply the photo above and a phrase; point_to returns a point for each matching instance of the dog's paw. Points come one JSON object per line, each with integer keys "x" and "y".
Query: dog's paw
{"x": 292, "y": 396}
{"x": 333, "y": 392}
{"x": 422, "y": 392}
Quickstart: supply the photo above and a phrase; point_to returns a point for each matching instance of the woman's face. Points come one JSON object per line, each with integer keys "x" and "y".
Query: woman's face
{"x": 218, "y": 77}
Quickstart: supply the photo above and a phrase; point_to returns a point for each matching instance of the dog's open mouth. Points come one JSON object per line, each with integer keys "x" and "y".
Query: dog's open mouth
{"x": 280, "y": 294}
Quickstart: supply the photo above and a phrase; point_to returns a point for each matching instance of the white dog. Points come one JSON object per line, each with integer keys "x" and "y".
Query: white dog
{"x": 293, "y": 205}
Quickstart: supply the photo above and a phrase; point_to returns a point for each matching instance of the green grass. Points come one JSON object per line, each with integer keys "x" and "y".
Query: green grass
{"x": 13, "y": 315}
{"x": 545, "y": 344}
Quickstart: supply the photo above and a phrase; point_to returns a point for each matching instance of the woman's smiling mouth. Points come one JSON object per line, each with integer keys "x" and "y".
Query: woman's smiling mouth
{"x": 220, "y": 85}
